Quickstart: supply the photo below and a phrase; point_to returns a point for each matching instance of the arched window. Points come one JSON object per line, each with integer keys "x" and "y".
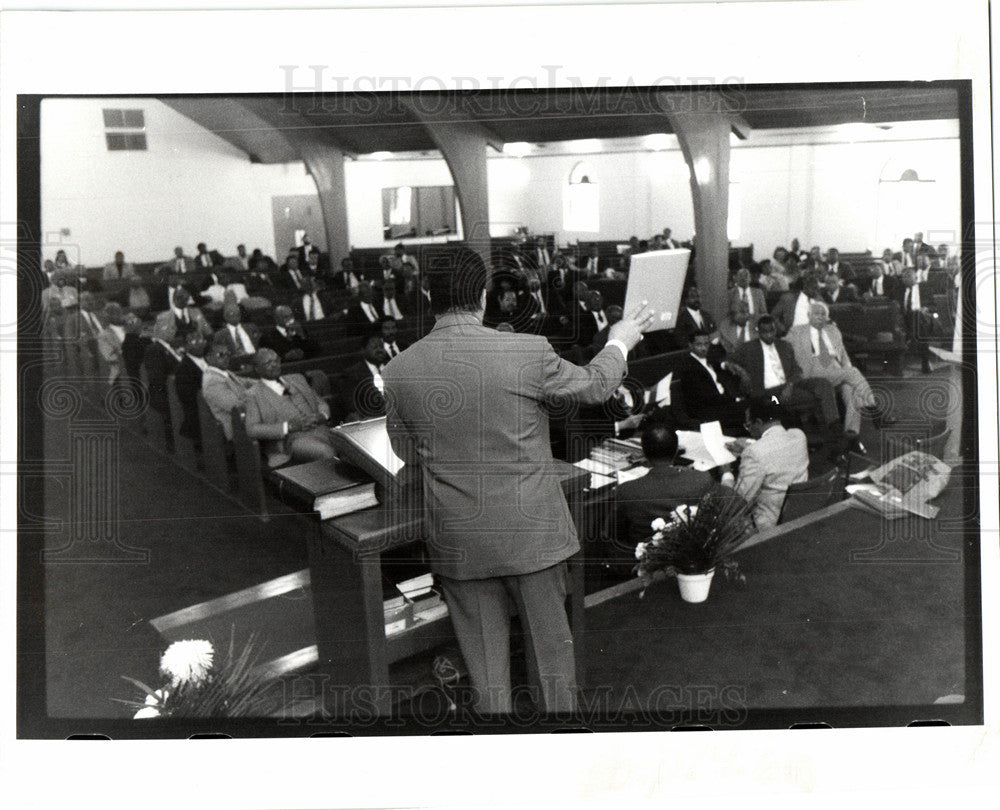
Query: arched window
{"x": 581, "y": 200}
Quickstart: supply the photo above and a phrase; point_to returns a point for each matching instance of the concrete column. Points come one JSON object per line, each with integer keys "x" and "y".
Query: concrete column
{"x": 702, "y": 127}
{"x": 326, "y": 165}
{"x": 463, "y": 146}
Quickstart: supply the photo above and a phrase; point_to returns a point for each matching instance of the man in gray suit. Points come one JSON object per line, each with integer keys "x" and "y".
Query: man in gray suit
{"x": 286, "y": 414}
{"x": 776, "y": 459}
{"x": 819, "y": 351}
{"x": 466, "y": 405}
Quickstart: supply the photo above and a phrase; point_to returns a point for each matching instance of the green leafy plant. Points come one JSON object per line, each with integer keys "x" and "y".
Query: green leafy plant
{"x": 698, "y": 538}
{"x": 197, "y": 684}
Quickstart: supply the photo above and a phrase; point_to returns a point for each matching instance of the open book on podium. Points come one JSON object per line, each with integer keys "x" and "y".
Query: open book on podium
{"x": 335, "y": 487}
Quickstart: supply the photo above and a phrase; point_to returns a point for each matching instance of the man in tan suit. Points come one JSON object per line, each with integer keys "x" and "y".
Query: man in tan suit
{"x": 286, "y": 414}
{"x": 222, "y": 389}
{"x": 819, "y": 351}
{"x": 466, "y": 406}
{"x": 776, "y": 459}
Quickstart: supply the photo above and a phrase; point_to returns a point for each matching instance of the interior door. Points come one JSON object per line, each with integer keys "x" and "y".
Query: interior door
{"x": 300, "y": 212}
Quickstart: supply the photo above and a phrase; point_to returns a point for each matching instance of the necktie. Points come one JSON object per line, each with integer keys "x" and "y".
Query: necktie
{"x": 825, "y": 358}
{"x": 312, "y": 307}
{"x": 180, "y": 265}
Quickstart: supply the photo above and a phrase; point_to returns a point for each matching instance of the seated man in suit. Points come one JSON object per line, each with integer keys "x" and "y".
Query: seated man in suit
{"x": 593, "y": 321}
{"x": 365, "y": 314}
{"x": 241, "y": 340}
{"x": 109, "y": 341}
{"x": 346, "y": 279}
{"x": 313, "y": 307}
{"x": 917, "y": 318}
{"x": 222, "y": 389}
{"x": 178, "y": 265}
{"x": 766, "y": 367}
{"x": 842, "y": 270}
{"x": 878, "y": 284}
{"x": 615, "y": 314}
{"x": 187, "y": 382}
{"x": 390, "y": 306}
{"x": 288, "y": 337}
{"x": 286, "y": 415}
{"x": 692, "y": 318}
{"x": 819, "y": 350}
{"x": 836, "y": 291}
{"x": 390, "y": 342}
{"x": 792, "y": 308}
{"x": 363, "y": 396}
{"x": 290, "y": 275}
{"x": 746, "y": 305}
{"x": 407, "y": 262}
{"x": 119, "y": 268}
{"x": 161, "y": 359}
{"x": 655, "y": 495}
{"x": 777, "y": 458}
{"x": 181, "y": 318}
{"x": 708, "y": 391}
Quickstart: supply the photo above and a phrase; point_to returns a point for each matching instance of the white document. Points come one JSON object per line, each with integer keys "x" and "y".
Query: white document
{"x": 715, "y": 443}
{"x": 657, "y": 277}
{"x": 597, "y": 481}
{"x": 597, "y": 467}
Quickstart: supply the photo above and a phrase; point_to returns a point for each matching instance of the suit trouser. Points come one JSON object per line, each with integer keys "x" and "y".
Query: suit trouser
{"x": 815, "y": 392}
{"x": 919, "y": 326}
{"x": 480, "y": 614}
{"x": 854, "y": 389}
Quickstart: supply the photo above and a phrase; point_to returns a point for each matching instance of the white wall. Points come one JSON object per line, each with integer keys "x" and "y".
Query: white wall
{"x": 189, "y": 186}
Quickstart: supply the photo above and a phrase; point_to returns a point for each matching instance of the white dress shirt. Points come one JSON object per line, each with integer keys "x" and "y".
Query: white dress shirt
{"x": 370, "y": 311}
{"x": 391, "y": 310}
{"x": 600, "y": 319}
{"x": 708, "y": 367}
{"x": 391, "y": 349}
{"x": 911, "y": 298}
{"x": 377, "y": 380}
{"x": 537, "y": 295}
{"x": 747, "y": 299}
{"x": 312, "y": 307}
{"x": 200, "y": 362}
{"x": 275, "y": 385}
{"x": 774, "y": 371}
{"x": 696, "y": 315}
{"x": 241, "y": 339}
{"x": 801, "y": 309}
{"x": 94, "y": 322}
{"x": 814, "y": 339}
{"x": 877, "y": 287}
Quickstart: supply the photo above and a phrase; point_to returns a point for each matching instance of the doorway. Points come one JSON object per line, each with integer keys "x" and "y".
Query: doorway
{"x": 294, "y": 216}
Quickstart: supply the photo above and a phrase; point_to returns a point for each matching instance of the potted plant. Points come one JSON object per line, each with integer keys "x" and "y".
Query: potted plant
{"x": 696, "y": 540}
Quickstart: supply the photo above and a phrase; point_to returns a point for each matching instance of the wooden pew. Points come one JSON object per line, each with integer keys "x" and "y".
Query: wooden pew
{"x": 213, "y": 447}
{"x": 249, "y": 467}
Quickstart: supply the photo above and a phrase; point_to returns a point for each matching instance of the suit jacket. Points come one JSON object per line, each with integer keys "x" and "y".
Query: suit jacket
{"x": 170, "y": 266}
{"x": 778, "y": 458}
{"x": 167, "y": 321}
{"x": 187, "y": 381}
{"x": 111, "y": 271}
{"x": 359, "y": 319}
{"x": 133, "y": 351}
{"x": 224, "y": 335}
{"x": 266, "y": 413}
{"x": 109, "y": 346}
{"x": 283, "y": 344}
{"x": 890, "y": 286}
{"x": 222, "y": 393}
{"x": 736, "y": 303}
{"x": 800, "y": 340}
{"x": 587, "y": 328}
{"x": 159, "y": 365}
{"x": 360, "y": 399}
{"x": 700, "y": 397}
{"x": 845, "y": 295}
{"x": 750, "y": 357}
{"x": 844, "y": 271}
{"x": 784, "y": 310}
{"x": 655, "y": 495}
{"x": 686, "y": 326}
{"x": 467, "y": 406}
{"x": 79, "y": 327}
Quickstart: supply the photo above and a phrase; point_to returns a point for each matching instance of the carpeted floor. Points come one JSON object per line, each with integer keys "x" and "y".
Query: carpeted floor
{"x": 781, "y": 640}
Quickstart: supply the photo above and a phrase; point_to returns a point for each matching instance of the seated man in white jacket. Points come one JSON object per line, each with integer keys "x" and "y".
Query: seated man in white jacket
{"x": 777, "y": 458}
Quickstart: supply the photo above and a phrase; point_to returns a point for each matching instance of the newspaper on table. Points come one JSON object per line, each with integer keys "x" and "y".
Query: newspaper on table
{"x": 706, "y": 447}
{"x": 905, "y": 485}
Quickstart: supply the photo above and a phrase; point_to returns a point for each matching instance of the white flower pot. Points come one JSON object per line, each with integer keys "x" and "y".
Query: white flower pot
{"x": 694, "y": 587}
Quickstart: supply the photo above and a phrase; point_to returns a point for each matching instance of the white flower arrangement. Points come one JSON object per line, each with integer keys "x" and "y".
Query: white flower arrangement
{"x": 189, "y": 660}
{"x": 199, "y": 684}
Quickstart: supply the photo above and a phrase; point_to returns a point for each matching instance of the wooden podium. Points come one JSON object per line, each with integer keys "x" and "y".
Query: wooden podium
{"x": 354, "y": 653}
